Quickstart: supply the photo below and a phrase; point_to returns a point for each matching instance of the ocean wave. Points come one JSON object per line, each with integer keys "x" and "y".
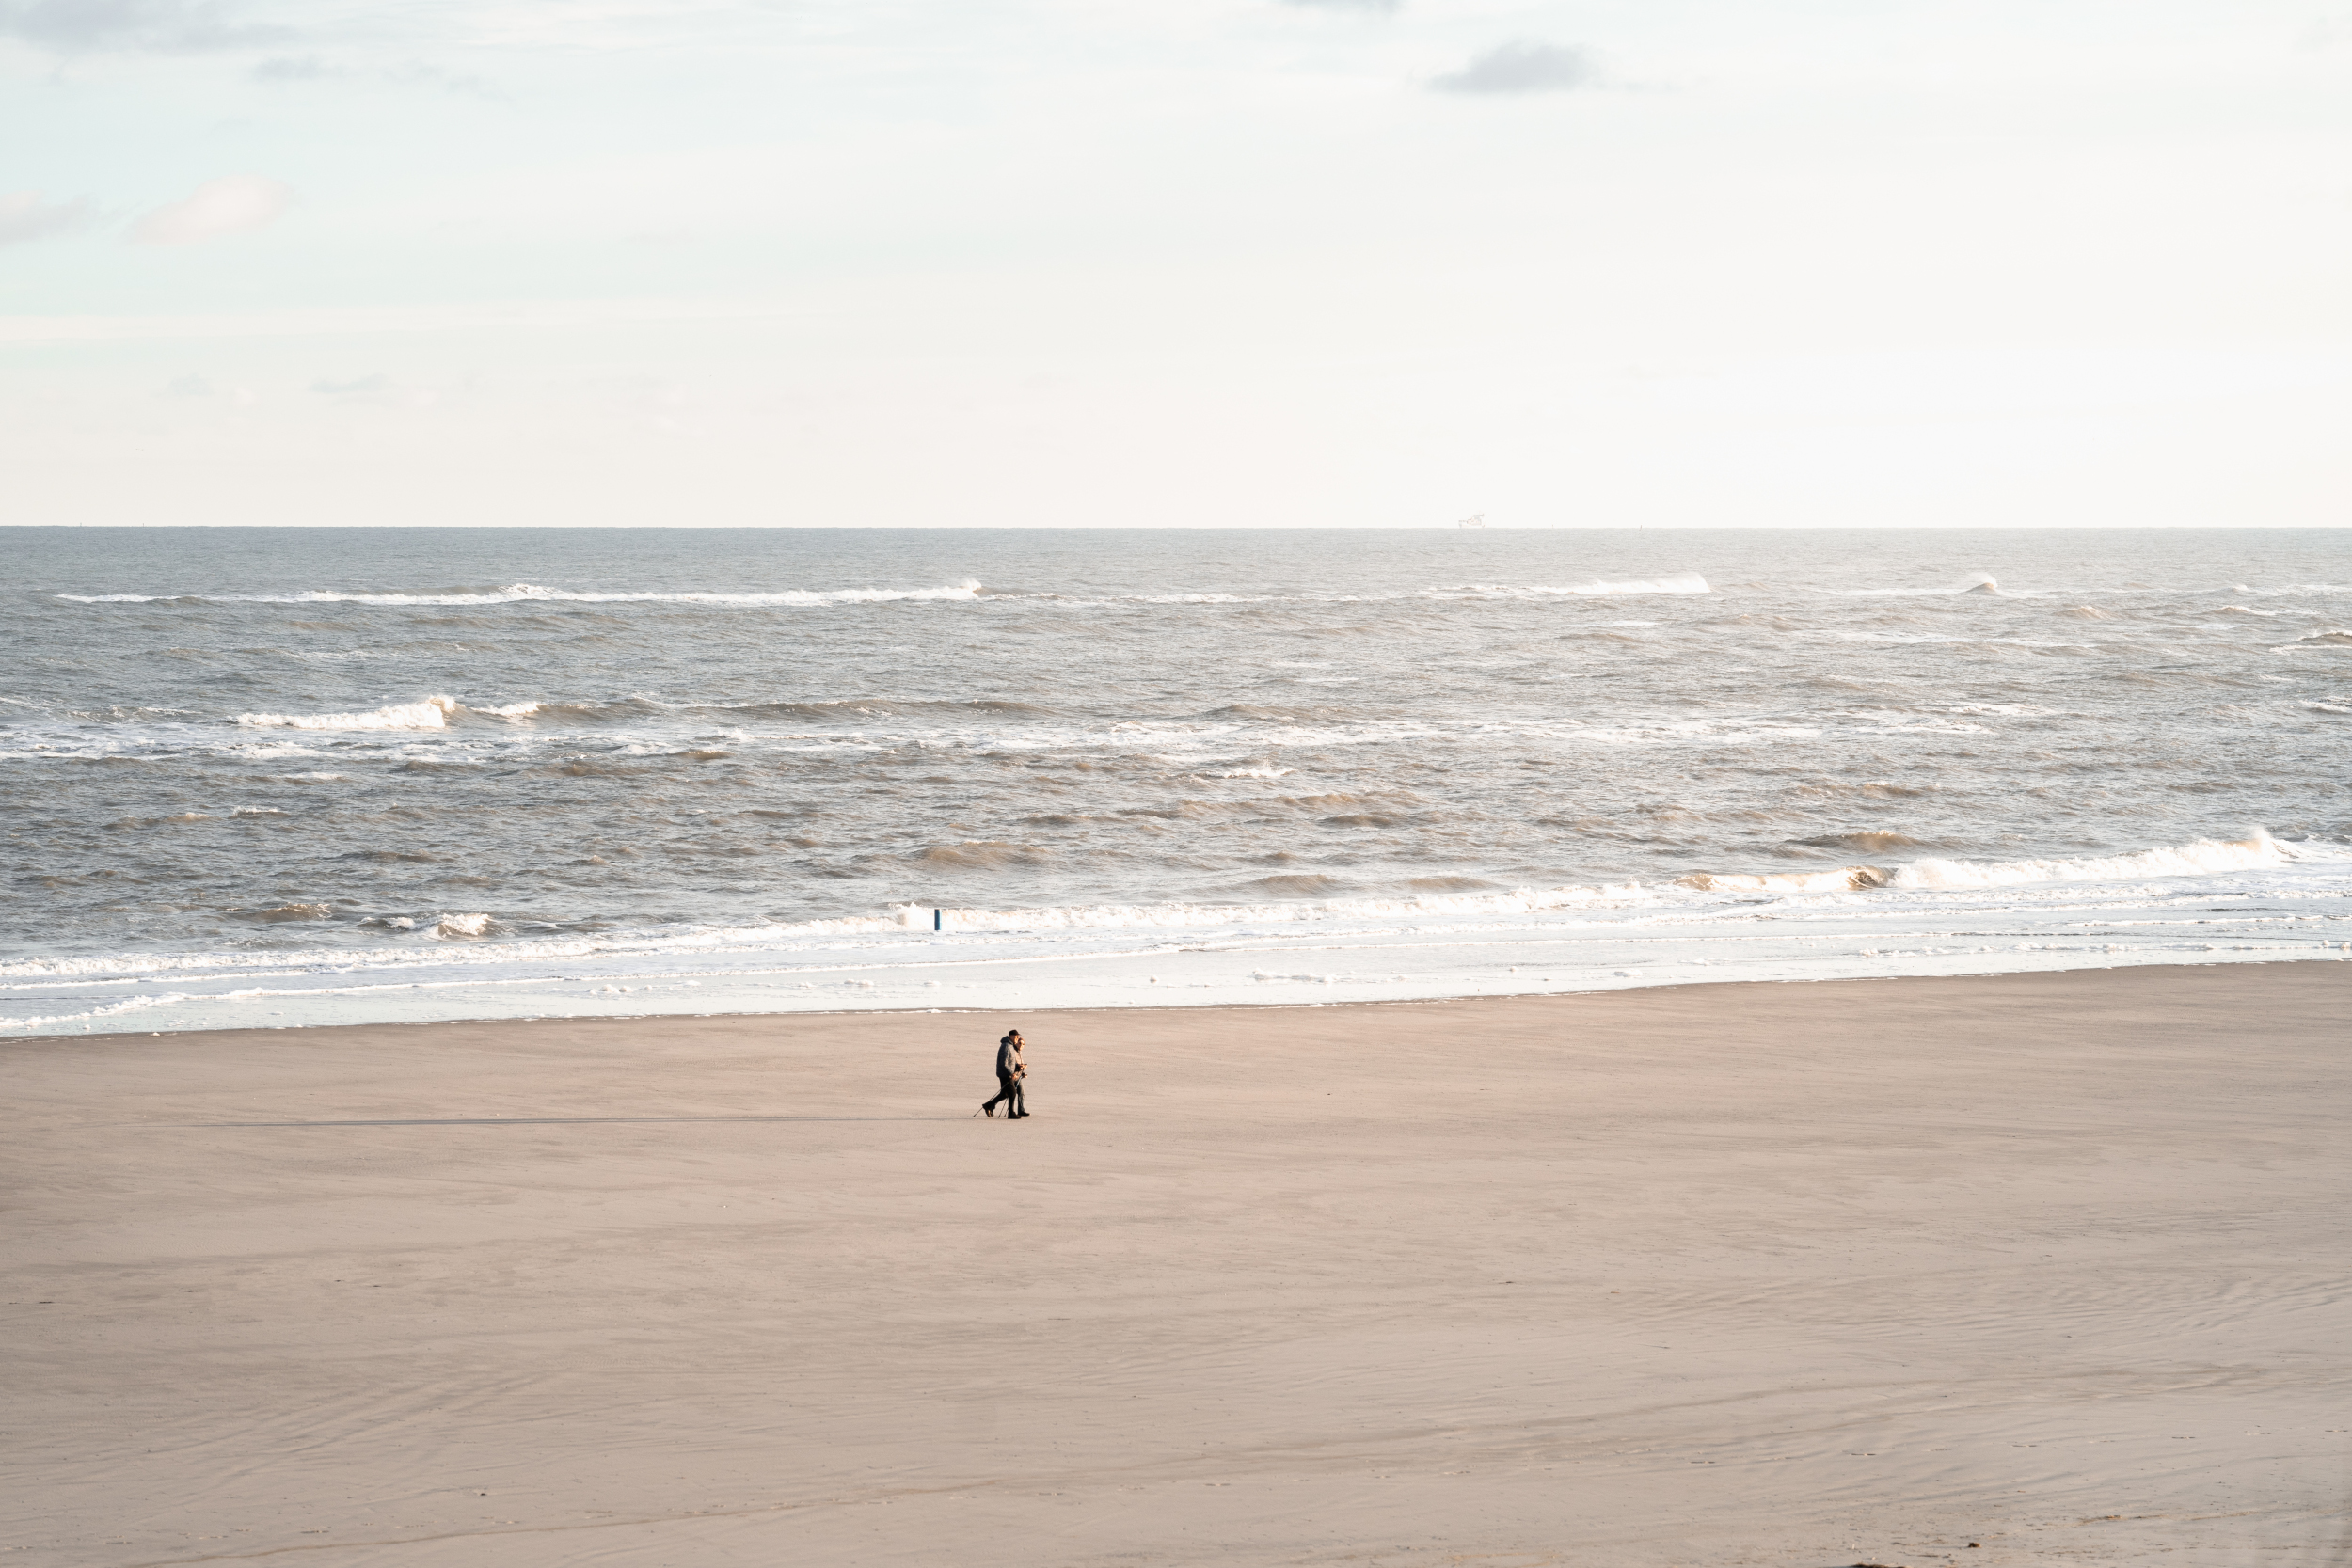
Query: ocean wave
{"x": 1845, "y": 880}
{"x": 1677, "y": 582}
{"x": 484, "y": 950}
{"x": 1234, "y": 739}
{"x": 110, "y": 1009}
{"x": 967, "y": 591}
{"x": 426, "y": 713}
{"x": 972, "y": 590}
{"x": 2258, "y": 851}
{"x": 1867, "y": 841}
{"x": 1982, "y": 583}
{"x": 2206, "y": 856}
{"x": 436, "y": 712}
{"x": 1196, "y": 916}
{"x": 526, "y": 593}
{"x": 461, "y": 735}
{"x": 2337, "y": 638}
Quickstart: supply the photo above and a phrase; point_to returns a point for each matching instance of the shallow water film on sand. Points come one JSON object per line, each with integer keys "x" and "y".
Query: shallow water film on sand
{"x": 313, "y": 776}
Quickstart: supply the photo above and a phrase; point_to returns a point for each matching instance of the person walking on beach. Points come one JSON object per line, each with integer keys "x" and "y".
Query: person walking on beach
{"x": 1010, "y": 1072}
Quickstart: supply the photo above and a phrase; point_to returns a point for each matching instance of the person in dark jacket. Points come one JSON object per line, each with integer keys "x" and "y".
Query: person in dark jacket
{"x": 1010, "y": 1070}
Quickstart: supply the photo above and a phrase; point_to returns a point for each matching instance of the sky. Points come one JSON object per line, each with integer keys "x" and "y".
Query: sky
{"x": 1177, "y": 262}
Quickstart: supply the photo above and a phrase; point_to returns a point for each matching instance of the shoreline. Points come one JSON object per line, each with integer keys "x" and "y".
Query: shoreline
{"x": 1155, "y": 1003}
{"x": 2257, "y": 900}
{"x": 1697, "y": 1276}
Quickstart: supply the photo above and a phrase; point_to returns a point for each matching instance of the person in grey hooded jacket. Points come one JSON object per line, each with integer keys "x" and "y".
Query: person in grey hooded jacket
{"x": 1010, "y": 1070}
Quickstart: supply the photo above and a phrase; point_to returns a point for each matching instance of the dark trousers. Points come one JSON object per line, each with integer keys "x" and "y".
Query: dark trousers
{"x": 1008, "y": 1093}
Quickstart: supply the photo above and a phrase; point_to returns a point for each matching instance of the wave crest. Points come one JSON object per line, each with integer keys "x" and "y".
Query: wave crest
{"x": 527, "y": 593}
{"x": 2188, "y": 860}
{"x": 1675, "y": 582}
{"x": 428, "y": 713}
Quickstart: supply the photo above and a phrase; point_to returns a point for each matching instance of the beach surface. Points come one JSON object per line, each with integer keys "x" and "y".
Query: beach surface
{"x": 2047, "y": 1268}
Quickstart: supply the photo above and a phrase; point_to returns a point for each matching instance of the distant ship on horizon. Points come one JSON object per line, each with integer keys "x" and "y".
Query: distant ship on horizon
{"x": 1478, "y": 520}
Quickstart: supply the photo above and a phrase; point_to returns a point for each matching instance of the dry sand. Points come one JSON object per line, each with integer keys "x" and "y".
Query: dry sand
{"x": 1801, "y": 1274}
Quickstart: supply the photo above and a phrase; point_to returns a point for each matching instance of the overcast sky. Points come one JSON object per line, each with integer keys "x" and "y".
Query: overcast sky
{"x": 1217, "y": 262}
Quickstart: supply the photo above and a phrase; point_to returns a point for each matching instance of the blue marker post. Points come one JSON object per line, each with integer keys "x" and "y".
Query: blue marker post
{"x": 935, "y": 920}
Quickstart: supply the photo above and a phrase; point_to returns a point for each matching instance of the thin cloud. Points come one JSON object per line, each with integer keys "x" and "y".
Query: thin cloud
{"x": 155, "y": 26}
{"x": 365, "y": 388}
{"x": 24, "y": 215}
{"x": 417, "y": 73}
{"x": 375, "y": 391}
{"x": 1523, "y": 66}
{"x": 195, "y": 389}
{"x": 236, "y": 205}
{"x": 293, "y": 67}
{"x": 280, "y": 71}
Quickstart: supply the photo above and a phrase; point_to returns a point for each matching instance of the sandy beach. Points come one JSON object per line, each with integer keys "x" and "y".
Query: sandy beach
{"x": 2025, "y": 1268}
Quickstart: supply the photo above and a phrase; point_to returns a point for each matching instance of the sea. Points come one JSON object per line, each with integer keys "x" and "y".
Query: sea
{"x": 281, "y": 776}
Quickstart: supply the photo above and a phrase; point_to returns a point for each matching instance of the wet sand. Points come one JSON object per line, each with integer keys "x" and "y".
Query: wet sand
{"x": 1860, "y": 1272}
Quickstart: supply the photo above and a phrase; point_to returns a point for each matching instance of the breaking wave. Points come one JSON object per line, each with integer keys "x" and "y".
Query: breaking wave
{"x": 2258, "y": 851}
{"x": 2205, "y": 857}
{"x": 1980, "y": 583}
{"x": 2202, "y": 858}
{"x": 1704, "y": 926}
{"x": 526, "y": 593}
{"x": 428, "y": 713}
{"x": 1679, "y": 582}
{"x": 968, "y": 591}
{"x": 435, "y": 712}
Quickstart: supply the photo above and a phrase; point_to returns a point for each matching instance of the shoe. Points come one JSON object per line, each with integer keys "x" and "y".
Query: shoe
{"x": 988, "y": 1111}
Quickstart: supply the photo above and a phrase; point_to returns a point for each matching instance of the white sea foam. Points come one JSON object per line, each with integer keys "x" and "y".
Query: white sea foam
{"x": 526, "y": 593}
{"x": 86, "y": 1015}
{"x": 1190, "y": 916}
{"x": 1845, "y": 878}
{"x": 2203, "y": 857}
{"x": 261, "y": 751}
{"x": 967, "y": 591}
{"x": 2286, "y": 900}
{"x": 1982, "y": 583}
{"x": 428, "y": 713}
{"x": 436, "y": 729}
{"x": 1677, "y": 582}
